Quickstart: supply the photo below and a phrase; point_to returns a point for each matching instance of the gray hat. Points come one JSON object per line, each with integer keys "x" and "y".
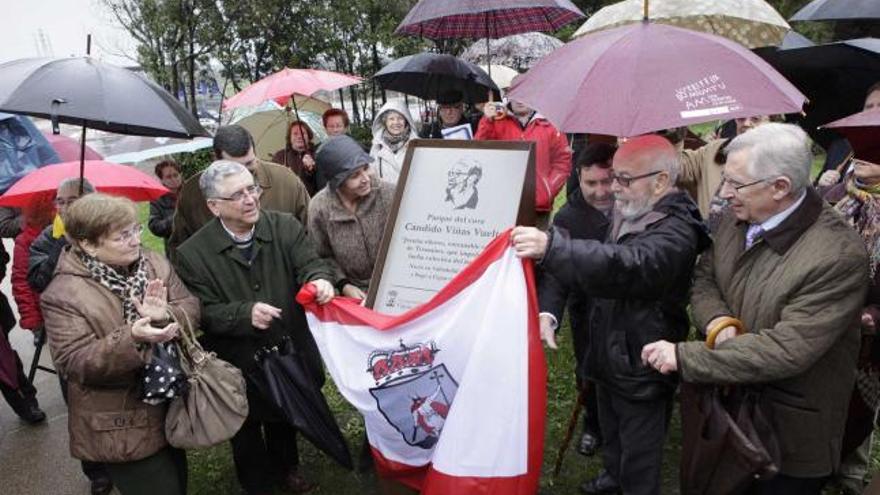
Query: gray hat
{"x": 339, "y": 157}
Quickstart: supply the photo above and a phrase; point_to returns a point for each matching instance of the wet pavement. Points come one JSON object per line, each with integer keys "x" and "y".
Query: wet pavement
{"x": 35, "y": 460}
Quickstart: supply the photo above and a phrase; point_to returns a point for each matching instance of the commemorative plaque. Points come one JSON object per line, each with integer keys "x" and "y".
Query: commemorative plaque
{"x": 453, "y": 197}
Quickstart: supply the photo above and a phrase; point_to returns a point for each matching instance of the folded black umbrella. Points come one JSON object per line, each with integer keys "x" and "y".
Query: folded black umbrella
{"x": 833, "y": 76}
{"x": 87, "y": 92}
{"x": 284, "y": 379}
{"x": 428, "y": 75}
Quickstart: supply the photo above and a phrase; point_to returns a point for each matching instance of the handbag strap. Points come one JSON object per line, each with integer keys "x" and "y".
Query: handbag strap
{"x": 192, "y": 352}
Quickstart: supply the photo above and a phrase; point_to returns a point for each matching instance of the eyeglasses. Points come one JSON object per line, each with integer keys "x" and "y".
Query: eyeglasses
{"x": 736, "y": 185}
{"x": 127, "y": 235}
{"x": 254, "y": 191}
{"x": 626, "y": 181}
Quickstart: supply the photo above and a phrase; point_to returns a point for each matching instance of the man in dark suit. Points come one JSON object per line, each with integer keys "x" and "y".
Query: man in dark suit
{"x": 586, "y": 215}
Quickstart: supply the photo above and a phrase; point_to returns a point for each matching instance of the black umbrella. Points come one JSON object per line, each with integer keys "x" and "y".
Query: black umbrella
{"x": 85, "y": 91}
{"x": 838, "y": 10}
{"x": 90, "y": 93}
{"x": 427, "y": 75}
{"x": 284, "y": 379}
{"x": 833, "y": 76}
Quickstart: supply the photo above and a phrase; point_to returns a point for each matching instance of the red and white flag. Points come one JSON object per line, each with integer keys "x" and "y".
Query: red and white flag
{"x": 453, "y": 391}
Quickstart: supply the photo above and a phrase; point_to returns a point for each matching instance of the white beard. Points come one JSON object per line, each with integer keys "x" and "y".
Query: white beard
{"x": 632, "y": 209}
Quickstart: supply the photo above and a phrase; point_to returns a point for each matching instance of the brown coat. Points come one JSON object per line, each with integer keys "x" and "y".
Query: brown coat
{"x": 799, "y": 292}
{"x": 93, "y": 349}
{"x": 282, "y": 191}
{"x": 350, "y": 242}
{"x": 701, "y": 173}
{"x": 292, "y": 159}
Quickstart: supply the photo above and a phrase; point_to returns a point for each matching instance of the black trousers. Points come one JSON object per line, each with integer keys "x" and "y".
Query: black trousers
{"x": 264, "y": 453}
{"x": 788, "y": 485}
{"x": 164, "y": 472}
{"x": 633, "y": 433}
{"x": 591, "y": 412}
{"x": 591, "y": 408}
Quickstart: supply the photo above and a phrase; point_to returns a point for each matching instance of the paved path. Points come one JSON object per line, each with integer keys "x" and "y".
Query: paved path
{"x": 34, "y": 460}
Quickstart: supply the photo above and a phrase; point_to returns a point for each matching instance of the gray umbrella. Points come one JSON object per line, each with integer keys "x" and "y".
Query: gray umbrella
{"x": 84, "y": 91}
{"x": 519, "y": 51}
{"x": 838, "y": 10}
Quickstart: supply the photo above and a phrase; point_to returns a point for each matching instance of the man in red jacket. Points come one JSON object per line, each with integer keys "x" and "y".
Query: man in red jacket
{"x": 552, "y": 154}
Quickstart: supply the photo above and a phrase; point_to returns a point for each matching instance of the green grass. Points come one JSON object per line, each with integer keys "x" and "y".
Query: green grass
{"x": 211, "y": 471}
{"x": 148, "y": 240}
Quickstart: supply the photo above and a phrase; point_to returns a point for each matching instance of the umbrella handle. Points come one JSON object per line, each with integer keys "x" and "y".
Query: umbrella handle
{"x": 645, "y": 10}
{"x": 727, "y": 321}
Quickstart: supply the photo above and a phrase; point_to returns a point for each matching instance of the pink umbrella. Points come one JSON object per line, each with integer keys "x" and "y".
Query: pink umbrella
{"x": 68, "y": 148}
{"x": 862, "y": 130}
{"x": 106, "y": 177}
{"x": 286, "y": 82}
{"x": 648, "y": 77}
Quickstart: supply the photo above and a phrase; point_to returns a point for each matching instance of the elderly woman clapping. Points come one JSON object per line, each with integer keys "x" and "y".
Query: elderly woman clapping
{"x": 109, "y": 301}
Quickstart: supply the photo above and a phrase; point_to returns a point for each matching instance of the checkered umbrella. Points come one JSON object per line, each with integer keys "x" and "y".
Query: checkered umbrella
{"x": 452, "y": 19}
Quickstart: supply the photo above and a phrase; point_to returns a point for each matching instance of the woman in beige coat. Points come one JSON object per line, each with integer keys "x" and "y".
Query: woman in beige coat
{"x": 109, "y": 301}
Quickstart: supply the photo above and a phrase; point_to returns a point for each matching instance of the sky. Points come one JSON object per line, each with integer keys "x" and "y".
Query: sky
{"x": 64, "y": 24}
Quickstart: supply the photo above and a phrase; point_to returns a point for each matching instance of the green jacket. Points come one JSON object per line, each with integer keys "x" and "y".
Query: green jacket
{"x": 799, "y": 291}
{"x": 228, "y": 286}
{"x": 282, "y": 191}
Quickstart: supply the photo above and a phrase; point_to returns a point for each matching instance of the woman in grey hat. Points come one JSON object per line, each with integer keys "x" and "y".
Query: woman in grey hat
{"x": 347, "y": 218}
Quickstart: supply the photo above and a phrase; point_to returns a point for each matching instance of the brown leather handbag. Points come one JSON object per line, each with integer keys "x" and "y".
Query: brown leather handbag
{"x": 216, "y": 405}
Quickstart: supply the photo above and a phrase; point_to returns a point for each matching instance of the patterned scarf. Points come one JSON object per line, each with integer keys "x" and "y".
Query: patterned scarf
{"x": 122, "y": 286}
{"x": 398, "y": 141}
{"x": 861, "y": 208}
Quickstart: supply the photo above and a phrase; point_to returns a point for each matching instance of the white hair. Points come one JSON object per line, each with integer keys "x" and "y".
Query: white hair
{"x": 777, "y": 150}
{"x": 216, "y": 172}
{"x": 669, "y": 162}
{"x": 73, "y": 183}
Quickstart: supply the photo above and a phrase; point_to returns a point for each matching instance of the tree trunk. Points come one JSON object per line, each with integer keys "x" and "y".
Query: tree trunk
{"x": 175, "y": 81}
{"x": 192, "y": 74}
{"x": 356, "y": 115}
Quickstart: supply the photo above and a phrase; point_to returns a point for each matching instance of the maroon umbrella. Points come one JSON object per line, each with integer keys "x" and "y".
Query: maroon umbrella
{"x": 647, "y": 77}
{"x": 8, "y": 368}
{"x": 862, "y": 130}
{"x": 453, "y": 19}
{"x": 68, "y": 149}
{"x": 445, "y": 19}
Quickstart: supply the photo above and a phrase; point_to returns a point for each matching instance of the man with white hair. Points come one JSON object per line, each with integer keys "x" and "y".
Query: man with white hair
{"x": 787, "y": 268}
{"x": 246, "y": 266}
{"x": 639, "y": 280}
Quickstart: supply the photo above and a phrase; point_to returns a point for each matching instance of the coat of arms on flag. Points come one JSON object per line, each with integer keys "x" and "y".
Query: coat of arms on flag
{"x": 453, "y": 392}
{"x": 412, "y": 393}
